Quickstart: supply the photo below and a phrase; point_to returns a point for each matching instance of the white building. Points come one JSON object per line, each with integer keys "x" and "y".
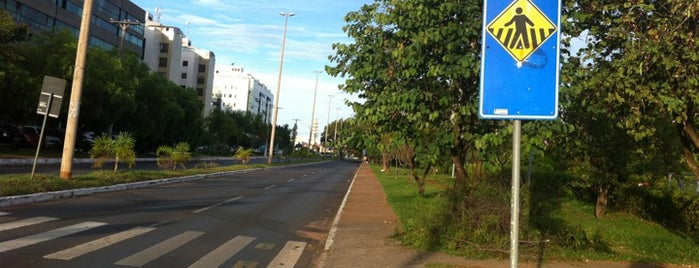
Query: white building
{"x": 171, "y": 54}
{"x": 197, "y": 72}
{"x": 238, "y": 91}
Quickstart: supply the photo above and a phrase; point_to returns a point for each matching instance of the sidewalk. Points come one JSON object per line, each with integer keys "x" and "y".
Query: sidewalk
{"x": 361, "y": 237}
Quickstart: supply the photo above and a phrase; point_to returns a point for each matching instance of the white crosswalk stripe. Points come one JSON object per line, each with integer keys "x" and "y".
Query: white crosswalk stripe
{"x": 97, "y": 244}
{"x": 217, "y": 257}
{"x": 4, "y": 213}
{"x": 41, "y": 237}
{"x": 21, "y": 223}
{"x": 162, "y": 248}
{"x": 289, "y": 255}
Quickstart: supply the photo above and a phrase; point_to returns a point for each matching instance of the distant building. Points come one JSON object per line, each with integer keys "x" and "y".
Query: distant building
{"x": 165, "y": 49}
{"x": 42, "y": 15}
{"x": 171, "y": 54}
{"x": 198, "y": 67}
{"x": 235, "y": 90}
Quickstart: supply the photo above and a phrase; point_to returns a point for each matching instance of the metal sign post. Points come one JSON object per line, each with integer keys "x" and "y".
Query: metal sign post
{"x": 519, "y": 75}
{"x": 49, "y": 105}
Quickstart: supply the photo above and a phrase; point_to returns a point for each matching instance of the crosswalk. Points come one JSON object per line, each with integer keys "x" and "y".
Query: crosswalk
{"x": 287, "y": 255}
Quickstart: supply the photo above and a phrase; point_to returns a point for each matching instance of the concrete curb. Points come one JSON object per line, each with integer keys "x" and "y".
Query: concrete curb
{"x": 40, "y": 197}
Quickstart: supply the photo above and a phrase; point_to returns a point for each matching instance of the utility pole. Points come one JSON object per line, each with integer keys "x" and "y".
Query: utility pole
{"x": 327, "y": 126}
{"x": 76, "y": 92}
{"x": 124, "y": 25}
{"x": 313, "y": 112}
{"x": 279, "y": 85}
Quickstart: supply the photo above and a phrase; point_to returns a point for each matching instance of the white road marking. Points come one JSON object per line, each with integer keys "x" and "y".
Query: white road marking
{"x": 26, "y": 222}
{"x": 289, "y": 255}
{"x": 4, "y": 213}
{"x": 97, "y": 244}
{"x": 221, "y": 254}
{"x": 162, "y": 248}
{"x": 292, "y": 180}
{"x": 270, "y": 187}
{"x": 218, "y": 204}
{"x": 38, "y": 238}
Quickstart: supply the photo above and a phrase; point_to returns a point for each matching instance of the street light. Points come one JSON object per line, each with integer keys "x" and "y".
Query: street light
{"x": 327, "y": 126}
{"x": 313, "y": 113}
{"x": 279, "y": 84}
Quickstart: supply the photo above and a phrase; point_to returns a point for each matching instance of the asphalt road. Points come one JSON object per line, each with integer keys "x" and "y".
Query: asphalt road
{"x": 275, "y": 217}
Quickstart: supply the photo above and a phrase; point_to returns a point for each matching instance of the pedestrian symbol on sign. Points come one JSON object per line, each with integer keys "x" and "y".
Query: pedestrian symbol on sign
{"x": 521, "y": 28}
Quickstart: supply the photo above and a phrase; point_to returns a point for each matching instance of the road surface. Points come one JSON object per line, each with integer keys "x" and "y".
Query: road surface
{"x": 276, "y": 217}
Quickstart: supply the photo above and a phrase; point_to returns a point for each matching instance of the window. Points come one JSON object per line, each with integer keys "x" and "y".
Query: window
{"x": 163, "y": 62}
{"x": 185, "y": 63}
{"x": 184, "y": 75}
{"x": 200, "y": 91}
{"x": 200, "y": 81}
{"x": 164, "y": 47}
{"x": 202, "y": 68}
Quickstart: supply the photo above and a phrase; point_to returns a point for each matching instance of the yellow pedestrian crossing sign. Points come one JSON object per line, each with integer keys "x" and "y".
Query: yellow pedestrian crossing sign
{"x": 521, "y": 28}
{"x": 520, "y": 59}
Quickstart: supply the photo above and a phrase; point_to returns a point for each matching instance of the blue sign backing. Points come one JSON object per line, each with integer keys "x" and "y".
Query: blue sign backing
{"x": 520, "y": 59}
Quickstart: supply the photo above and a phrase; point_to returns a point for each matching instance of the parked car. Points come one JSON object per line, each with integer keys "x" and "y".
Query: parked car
{"x": 51, "y": 138}
{"x": 13, "y": 136}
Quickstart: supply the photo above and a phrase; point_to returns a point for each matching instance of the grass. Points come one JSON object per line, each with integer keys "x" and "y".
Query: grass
{"x": 617, "y": 237}
{"x": 23, "y": 184}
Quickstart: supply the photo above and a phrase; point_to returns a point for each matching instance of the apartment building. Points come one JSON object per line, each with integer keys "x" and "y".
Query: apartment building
{"x": 165, "y": 49}
{"x": 235, "y": 90}
{"x": 41, "y": 15}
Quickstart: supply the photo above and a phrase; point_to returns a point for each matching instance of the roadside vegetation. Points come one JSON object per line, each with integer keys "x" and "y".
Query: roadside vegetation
{"x": 614, "y": 176}
{"x": 23, "y": 184}
{"x": 558, "y": 222}
{"x": 120, "y": 94}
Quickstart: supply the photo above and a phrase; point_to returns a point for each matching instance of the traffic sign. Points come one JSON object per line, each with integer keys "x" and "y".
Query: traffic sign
{"x": 51, "y": 96}
{"x": 520, "y": 59}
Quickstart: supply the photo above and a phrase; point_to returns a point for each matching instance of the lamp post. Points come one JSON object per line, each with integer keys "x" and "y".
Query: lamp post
{"x": 313, "y": 112}
{"x": 279, "y": 84}
{"x": 327, "y": 126}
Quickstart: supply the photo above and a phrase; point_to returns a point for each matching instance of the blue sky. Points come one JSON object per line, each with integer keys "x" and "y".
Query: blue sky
{"x": 249, "y": 34}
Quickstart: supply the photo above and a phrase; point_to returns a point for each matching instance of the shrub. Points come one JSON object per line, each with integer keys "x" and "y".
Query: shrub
{"x": 243, "y": 155}
{"x": 171, "y": 157}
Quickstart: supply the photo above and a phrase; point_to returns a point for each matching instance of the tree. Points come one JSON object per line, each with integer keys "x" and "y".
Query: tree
{"x": 416, "y": 63}
{"x": 169, "y": 156}
{"x": 19, "y": 89}
{"x": 644, "y": 57}
{"x": 244, "y": 155}
{"x": 119, "y": 149}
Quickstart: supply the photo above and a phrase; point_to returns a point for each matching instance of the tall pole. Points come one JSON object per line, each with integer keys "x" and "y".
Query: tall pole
{"x": 337, "y": 116}
{"x": 279, "y": 84}
{"x": 514, "y": 217}
{"x": 76, "y": 92}
{"x": 313, "y": 112}
{"x": 327, "y": 126}
{"x": 124, "y": 25}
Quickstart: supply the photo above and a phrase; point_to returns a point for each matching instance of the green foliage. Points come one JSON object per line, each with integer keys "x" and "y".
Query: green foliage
{"x": 554, "y": 225}
{"x": 243, "y": 155}
{"x": 119, "y": 149}
{"x": 171, "y": 157}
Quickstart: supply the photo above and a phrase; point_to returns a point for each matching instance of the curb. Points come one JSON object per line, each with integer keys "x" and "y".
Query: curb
{"x": 333, "y": 229}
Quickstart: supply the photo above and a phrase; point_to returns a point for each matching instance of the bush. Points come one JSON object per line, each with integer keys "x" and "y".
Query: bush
{"x": 171, "y": 157}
